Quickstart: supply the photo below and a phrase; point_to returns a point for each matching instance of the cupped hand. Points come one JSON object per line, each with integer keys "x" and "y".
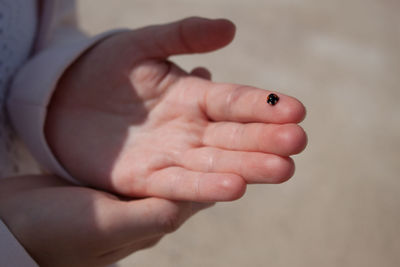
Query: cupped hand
{"x": 64, "y": 225}
{"x": 126, "y": 119}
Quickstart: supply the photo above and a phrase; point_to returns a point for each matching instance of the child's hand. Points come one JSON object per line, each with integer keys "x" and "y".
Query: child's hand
{"x": 127, "y": 120}
{"x": 64, "y": 225}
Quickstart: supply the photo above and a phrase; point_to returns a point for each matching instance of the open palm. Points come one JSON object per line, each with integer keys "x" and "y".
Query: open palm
{"x": 126, "y": 119}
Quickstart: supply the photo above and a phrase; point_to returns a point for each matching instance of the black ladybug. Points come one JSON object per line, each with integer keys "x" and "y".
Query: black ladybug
{"x": 272, "y": 99}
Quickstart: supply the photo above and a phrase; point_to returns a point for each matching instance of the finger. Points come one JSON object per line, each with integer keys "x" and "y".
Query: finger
{"x": 180, "y": 184}
{"x": 280, "y": 139}
{"x": 14, "y": 185}
{"x": 139, "y": 220}
{"x": 117, "y": 254}
{"x": 146, "y": 244}
{"x": 231, "y": 102}
{"x": 201, "y": 73}
{"x": 191, "y": 35}
{"x": 254, "y": 167}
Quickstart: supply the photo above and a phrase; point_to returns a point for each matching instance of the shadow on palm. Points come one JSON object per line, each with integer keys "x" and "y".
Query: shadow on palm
{"x": 126, "y": 120}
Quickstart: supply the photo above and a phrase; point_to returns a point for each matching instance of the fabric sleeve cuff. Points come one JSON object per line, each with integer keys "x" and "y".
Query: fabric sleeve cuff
{"x": 31, "y": 92}
{"x": 12, "y": 253}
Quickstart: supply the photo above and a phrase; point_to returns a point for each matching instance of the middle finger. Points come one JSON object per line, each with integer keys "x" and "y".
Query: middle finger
{"x": 283, "y": 140}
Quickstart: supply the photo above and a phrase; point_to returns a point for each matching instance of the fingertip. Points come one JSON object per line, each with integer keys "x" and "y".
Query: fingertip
{"x": 226, "y": 28}
{"x": 292, "y": 139}
{"x": 296, "y": 112}
{"x": 301, "y": 112}
{"x": 284, "y": 170}
{"x": 204, "y": 35}
{"x": 289, "y": 110}
{"x": 278, "y": 170}
{"x": 170, "y": 220}
{"x": 226, "y": 22}
{"x": 231, "y": 188}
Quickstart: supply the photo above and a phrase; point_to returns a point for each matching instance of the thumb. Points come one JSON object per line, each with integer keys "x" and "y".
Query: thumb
{"x": 151, "y": 217}
{"x": 191, "y": 35}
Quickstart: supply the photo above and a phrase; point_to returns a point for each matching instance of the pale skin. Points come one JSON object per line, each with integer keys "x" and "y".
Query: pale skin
{"x": 144, "y": 127}
{"x": 126, "y": 120}
{"x": 60, "y": 224}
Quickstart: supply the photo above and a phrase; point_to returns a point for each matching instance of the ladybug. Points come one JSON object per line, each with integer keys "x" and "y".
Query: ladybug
{"x": 272, "y": 99}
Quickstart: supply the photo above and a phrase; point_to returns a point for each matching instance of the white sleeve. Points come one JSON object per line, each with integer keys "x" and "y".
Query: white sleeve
{"x": 11, "y": 252}
{"x": 58, "y": 45}
{"x": 30, "y": 95}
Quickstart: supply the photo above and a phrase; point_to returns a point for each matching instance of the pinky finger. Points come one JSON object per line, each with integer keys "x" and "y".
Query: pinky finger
{"x": 181, "y": 184}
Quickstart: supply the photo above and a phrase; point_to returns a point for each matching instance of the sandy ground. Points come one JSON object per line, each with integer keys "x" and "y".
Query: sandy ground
{"x": 341, "y": 58}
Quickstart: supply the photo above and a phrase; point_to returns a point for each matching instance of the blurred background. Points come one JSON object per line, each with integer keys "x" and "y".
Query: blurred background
{"x": 341, "y": 59}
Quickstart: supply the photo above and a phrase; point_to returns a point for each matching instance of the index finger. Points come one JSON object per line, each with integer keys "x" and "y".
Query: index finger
{"x": 240, "y": 103}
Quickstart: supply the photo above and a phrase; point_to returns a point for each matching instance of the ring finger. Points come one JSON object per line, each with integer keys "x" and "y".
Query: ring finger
{"x": 254, "y": 167}
{"x": 283, "y": 140}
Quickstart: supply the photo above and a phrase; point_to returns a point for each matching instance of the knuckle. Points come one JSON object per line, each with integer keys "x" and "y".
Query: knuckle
{"x": 234, "y": 96}
{"x": 210, "y": 165}
{"x": 184, "y": 32}
{"x": 235, "y": 136}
